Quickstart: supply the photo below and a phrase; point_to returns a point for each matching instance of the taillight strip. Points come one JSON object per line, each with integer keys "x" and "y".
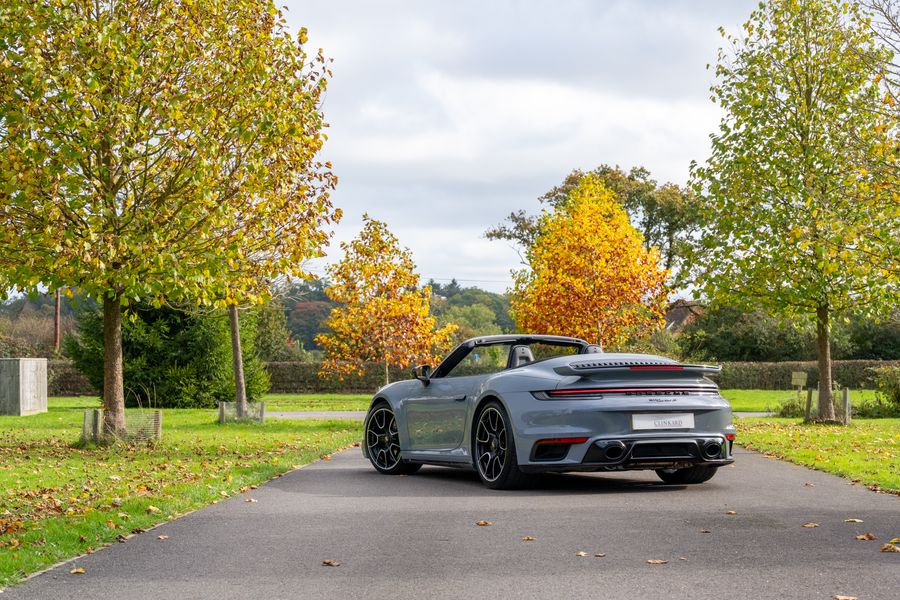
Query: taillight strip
{"x": 586, "y": 391}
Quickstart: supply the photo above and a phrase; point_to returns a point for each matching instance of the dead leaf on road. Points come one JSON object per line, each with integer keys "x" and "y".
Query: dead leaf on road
{"x": 840, "y": 597}
{"x": 810, "y": 525}
{"x": 528, "y": 538}
{"x": 864, "y": 537}
{"x": 251, "y": 500}
{"x": 705, "y": 531}
{"x": 890, "y": 548}
{"x": 162, "y": 537}
{"x": 894, "y": 541}
{"x": 330, "y": 563}
{"x": 484, "y": 523}
{"x": 600, "y": 554}
{"x": 853, "y": 520}
{"x": 581, "y": 553}
{"x": 657, "y": 561}
{"x": 730, "y": 512}
{"x": 682, "y": 558}
{"x": 808, "y": 484}
{"x": 77, "y": 571}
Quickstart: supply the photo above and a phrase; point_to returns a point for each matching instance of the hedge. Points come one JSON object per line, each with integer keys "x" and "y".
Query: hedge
{"x": 855, "y": 374}
{"x": 299, "y": 377}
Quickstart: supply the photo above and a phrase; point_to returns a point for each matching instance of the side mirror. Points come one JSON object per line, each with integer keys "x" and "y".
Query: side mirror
{"x": 422, "y": 373}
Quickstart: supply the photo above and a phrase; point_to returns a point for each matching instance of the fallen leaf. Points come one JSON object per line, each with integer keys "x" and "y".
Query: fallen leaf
{"x": 484, "y": 523}
{"x": 153, "y": 510}
{"x": 682, "y": 558}
{"x": 251, "y": 500}
{"x": 581, "y": 553}
{"x": 810, "y": 525}
{"x": 657, "y": 561}
{"x": 82, "y": 539}
{"x": 865, "y": 537}
{"x": 14, "y": 543}
{"x": 326, "y": 457}
{"x": 890, "y": 548}
{"x": 162, "y": 537}
{"x": 853, "y": 520}
{"x": 600, "y": 554}
{"x": 808, "y": 484}
{"x": 894, "y": 541}
{"x": 705, "y": 531}
{"x": 730, "y": 512}
{"x": 77, "y": 571}
{"x": 840, "y": 597}
{"x": 528, "y": 538}
{"x": 330, "y": 563}
{"x": 112, "y": 525}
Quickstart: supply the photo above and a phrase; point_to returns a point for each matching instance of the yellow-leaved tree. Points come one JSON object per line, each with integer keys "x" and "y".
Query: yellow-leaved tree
{"x": 590, "y": 275}
{"x": 382, "y": 315}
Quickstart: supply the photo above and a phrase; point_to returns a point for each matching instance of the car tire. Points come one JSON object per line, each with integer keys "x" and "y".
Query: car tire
{"x": 494, "y": 449}
{"x": 690, "y": 475}
{"x": 382, "y": 442}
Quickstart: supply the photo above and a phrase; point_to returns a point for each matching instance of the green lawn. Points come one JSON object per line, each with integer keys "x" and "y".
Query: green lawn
{"x": 769, "y": 400}
{"x": 867, "y": 450}
{"x": 285, "y": 402}
{"x": 58, "y": 501}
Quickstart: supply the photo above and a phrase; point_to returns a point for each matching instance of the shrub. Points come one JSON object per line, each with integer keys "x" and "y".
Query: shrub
{"x": 887, "y": 381}
{"x": 792, "y": 408}
{"x": 172, "y": 358}
{"x": 854, "y": 374}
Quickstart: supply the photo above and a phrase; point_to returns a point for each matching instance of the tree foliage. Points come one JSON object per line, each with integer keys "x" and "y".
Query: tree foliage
{"x": 382, "y": 316}
{"x": 786, "y": 187}
{"x": 590, "y": 274}
{"x": 157, "y": 150}
{"x": 666, "y": 215}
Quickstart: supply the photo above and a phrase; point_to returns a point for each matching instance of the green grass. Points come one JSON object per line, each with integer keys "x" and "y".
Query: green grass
{"x": 769, "y": 400}
{"x": 866, "y": 450}
{"x": 286, "y": 402}
{"x": 58, "y": 500}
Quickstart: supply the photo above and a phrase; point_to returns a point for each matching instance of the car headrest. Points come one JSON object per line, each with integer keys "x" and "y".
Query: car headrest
{"x": 521, "y": 355}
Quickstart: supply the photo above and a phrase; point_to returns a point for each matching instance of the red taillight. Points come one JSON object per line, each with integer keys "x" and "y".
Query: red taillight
{"x": 587, "y": 391}
{"x": 580, "y": 440}
{"x": 730, "y": 437}
{"x": 656, "y": 368}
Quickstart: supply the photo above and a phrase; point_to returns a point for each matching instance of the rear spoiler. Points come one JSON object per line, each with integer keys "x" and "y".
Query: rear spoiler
{"x": 591, "y": 367}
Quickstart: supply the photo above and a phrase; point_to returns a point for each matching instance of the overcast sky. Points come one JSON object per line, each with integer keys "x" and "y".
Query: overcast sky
{"x": 445, "y": 116}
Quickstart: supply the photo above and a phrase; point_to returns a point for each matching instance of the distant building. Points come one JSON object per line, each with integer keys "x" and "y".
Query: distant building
{"x": 682, "y": 313}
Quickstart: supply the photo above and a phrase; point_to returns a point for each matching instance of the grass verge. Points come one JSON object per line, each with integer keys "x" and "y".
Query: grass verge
{"x": 866, "y": 450}
{"x": 58, "y": 500}
{"x": 770, "y": 400}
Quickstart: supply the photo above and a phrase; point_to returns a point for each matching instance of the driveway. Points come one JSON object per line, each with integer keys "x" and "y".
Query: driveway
{"x": 416, "y": 537}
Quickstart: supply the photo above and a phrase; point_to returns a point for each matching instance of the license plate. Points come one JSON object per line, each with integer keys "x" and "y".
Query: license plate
{"x": 663, "y": 421}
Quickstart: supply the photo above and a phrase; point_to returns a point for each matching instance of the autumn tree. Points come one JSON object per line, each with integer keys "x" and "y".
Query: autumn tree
{"x": 157, "y": 150}
{"x": 666, "y": 215}
{"x": 590, "y": 274}
{"x": 786, "y": 186}
{"x": 382, "y": 315}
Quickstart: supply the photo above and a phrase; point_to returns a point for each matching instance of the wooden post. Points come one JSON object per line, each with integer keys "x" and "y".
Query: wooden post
{"x": 262, "y": 412}
{"x": 847, "y": 407}
{"x": 809, "y": 395}
{"x": 221, "y": 412}
{"x": 97, "y": 425}
{"x": 86, "y": 426}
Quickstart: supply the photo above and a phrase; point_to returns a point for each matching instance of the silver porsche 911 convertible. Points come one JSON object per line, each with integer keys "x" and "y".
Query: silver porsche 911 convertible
{"x": 511, "y": 405}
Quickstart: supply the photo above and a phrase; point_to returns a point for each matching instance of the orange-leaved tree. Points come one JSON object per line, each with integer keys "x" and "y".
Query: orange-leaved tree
{"x": 382, "y": 315}
{"x": 590, "y": 275}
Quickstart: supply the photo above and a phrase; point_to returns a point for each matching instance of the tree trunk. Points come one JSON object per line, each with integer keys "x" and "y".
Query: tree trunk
{"x": 113, "y": 383}
{"x": 238, "y": 358}
{"x": 823, "y": 331}
{"x": 387, "y": 373}
{"x": 56, "y": 323}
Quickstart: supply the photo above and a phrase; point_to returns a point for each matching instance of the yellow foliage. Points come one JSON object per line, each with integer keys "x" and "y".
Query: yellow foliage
{"x": 591, "y": 276}
{"x": 383, "y": 316}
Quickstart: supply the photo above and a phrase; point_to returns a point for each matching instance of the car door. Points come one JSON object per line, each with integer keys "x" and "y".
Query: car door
{"x": 436, "y": 416}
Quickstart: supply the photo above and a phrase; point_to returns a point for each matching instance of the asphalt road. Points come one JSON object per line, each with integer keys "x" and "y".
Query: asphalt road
{"x": 415, "y": 537}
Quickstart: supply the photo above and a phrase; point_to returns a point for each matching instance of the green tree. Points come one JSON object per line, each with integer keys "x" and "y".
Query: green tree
{"x": 666, "y": 215}
{"x": 786, "y": 185}
{"x": 157, "y": 150}
{"x": 471, "y": 321}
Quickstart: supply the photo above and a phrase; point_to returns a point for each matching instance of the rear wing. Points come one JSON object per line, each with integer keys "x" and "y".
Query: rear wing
{"x": 590, "y": 367}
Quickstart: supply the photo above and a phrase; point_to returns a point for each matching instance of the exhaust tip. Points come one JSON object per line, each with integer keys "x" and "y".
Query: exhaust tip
{"x": 712, "y": 449}
{"x": 614, "y": 450}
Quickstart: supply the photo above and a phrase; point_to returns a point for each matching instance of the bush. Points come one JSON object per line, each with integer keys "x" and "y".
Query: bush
{"x": 854, "y": 374}
{"x": 172, "y": 358}
{"x": 887, "y": 381}
{"x": 792, "y": 408}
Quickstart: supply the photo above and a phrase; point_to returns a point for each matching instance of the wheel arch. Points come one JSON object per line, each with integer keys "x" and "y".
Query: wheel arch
{"x": 474, "y": 422}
